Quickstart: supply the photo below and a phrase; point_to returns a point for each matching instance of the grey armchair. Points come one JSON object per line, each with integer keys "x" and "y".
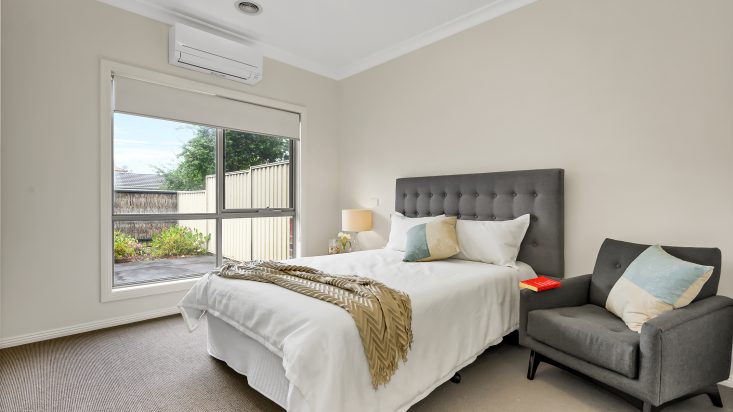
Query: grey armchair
{"x": 679, "y": 354}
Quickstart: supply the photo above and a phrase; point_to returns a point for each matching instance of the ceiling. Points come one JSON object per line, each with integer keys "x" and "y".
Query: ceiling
{"x": 333, "y": 38}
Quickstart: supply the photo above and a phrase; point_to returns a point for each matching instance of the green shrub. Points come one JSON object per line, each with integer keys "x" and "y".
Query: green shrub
{"x": 179, "y": 241}
{"x": 125, "y": 246}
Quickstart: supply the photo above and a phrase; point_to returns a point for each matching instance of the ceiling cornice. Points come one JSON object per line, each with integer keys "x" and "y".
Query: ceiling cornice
{"x": 491, "y": 11}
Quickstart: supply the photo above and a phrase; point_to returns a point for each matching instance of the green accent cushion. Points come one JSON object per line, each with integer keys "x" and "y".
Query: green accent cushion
{"x": 432, "y": 241}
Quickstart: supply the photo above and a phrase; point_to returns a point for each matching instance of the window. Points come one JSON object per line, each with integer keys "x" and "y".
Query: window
{"x": 196, "y": 179}
{"x": 165, "y": 215}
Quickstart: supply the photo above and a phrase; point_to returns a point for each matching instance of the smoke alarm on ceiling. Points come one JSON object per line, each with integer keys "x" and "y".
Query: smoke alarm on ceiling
{"x": 249, "y": 7}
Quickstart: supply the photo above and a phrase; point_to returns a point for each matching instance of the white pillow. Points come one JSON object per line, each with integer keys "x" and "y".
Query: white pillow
{"x": 490, "y": 241}
{"x": 400, "y": 225}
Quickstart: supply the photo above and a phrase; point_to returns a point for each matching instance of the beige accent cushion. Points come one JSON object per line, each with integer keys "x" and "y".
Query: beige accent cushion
{"x": 432, "y": 241}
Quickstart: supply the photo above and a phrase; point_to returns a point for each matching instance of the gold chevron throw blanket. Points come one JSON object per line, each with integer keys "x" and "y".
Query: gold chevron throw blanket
{"x": 382, "y": 315}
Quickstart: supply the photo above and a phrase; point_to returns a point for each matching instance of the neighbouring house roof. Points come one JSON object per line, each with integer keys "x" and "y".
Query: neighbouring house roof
{"x": 144, "y": 181}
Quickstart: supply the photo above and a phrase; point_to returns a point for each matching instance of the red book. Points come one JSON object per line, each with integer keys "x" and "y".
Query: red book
{"x": 539, "y": 284}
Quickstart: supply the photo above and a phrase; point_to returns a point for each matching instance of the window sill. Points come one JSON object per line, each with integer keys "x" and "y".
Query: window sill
{"x": 151, "y": 289}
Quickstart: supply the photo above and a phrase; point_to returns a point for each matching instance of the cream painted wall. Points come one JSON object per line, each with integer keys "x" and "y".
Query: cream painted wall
{"x": 633, "y": 99}
{"x": 50, "y": 155}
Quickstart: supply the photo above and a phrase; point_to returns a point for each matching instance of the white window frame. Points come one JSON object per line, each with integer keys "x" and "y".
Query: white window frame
{"x": 110, "y": 68}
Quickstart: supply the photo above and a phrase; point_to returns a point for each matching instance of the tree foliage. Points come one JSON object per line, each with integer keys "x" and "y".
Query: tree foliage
{"x": 197, "y": 159}
{"x": 242, "y": 150}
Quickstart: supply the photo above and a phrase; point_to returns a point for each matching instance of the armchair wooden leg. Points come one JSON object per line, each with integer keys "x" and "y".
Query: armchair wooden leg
{"x": 714, "y": 395}
{"x": 534, "y": 361}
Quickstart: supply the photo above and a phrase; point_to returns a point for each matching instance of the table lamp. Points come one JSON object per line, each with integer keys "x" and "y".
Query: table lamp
{"x": 356, "y": 220}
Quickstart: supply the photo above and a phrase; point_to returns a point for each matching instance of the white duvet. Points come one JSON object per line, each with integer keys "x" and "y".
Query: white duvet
{"x": 459, "y": 308}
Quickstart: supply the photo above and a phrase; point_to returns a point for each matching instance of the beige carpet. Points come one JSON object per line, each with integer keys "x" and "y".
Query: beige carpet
{"x": 158, "y": 366}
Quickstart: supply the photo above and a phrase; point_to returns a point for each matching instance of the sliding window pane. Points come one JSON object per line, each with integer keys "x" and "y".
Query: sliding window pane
{"x": 163, "y": 166}
{"x": 257, "y": 171}
{"x": 266, "y": 238}
{"x": 154, "y": 251}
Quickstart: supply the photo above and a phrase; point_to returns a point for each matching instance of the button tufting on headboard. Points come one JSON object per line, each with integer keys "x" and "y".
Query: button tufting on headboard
{"x": 512, "y": 194}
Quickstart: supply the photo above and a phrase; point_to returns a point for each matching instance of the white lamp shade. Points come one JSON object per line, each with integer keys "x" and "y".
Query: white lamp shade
{"x": 356, "y": 220}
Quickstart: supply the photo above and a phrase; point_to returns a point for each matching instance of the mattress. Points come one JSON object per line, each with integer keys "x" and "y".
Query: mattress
{"x": 316, "y": 361}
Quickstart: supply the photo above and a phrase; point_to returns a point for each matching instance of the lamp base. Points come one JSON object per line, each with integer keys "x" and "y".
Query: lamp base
{"x": 354, "y": 241}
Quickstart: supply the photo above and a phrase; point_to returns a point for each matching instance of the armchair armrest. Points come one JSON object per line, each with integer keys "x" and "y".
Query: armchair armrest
{"x": 572, "y": 292}
{"x": 687, "y": 348}
{"x": 691, "y": 312}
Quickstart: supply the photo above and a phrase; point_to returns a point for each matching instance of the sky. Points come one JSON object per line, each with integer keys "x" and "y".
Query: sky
{"x": 141, "y": 143}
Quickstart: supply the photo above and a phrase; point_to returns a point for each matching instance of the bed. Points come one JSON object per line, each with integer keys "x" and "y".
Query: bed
{"x": 306, "y": 355}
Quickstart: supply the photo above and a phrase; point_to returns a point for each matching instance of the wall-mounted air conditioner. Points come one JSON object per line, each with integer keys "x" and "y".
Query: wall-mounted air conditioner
{"x": 205, "y": 52}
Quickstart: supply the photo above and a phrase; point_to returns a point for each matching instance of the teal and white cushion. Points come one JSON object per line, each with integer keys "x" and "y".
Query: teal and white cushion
{"x": 654, "y": 283}
{"x": 399, "y": 226}
{"x": 432, "y": 241}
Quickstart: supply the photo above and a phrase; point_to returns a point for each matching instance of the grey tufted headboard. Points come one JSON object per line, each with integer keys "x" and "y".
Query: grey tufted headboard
{"x": 498, "y": 196}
